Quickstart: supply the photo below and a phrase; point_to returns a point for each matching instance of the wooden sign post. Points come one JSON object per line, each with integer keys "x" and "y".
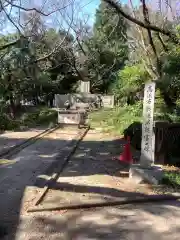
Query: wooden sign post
{"x": 148, "y": 135}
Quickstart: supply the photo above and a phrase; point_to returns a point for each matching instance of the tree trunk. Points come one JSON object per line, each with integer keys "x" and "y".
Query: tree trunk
{"x": 51, "y": 100}
{"x": 170, "y": 103}
{"x": 10, "y": 93}
{"x": 130, "y": 99}
{"x": 35, "y": 101}
{"x": 12, "y": 106}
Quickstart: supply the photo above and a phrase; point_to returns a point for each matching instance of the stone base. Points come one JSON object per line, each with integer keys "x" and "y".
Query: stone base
{"x": 72, "y": 117}
{"x": 139, "y": 174}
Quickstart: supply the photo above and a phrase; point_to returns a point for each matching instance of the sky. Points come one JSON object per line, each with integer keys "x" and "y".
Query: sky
{"x": 89, "y": 7}
{"x": 93, "y": 5}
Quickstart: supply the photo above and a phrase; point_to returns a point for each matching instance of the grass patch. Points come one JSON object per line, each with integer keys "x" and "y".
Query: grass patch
{"x": 170, "y": 182}
{"x": 117, "y": 119}
{"x": 171, "y": 178}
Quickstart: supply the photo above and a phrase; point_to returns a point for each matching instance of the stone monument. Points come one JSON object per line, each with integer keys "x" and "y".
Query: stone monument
{"x": 148, "y": 135}
{"x": 146, "y": 170}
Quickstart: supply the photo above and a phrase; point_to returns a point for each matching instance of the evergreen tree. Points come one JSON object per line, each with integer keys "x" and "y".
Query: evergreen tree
{"x": 107, "y": 48}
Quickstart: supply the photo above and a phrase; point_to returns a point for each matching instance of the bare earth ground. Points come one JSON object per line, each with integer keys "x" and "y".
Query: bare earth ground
{"x": 90, "y": 176}
{"x": 23, "y": 170}
{"x": 10, "y": 139}
{"x": 135, "y": 222}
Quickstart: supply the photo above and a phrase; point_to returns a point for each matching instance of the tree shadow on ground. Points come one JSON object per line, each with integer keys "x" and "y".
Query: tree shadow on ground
{"x": 20, "y": 172}
{"x": 133, "y": 222}
{"x": 36, "y": 160}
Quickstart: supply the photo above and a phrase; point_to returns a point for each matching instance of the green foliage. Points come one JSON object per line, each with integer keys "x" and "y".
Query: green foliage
{"x": 171, "y": 178}
{"x": 6, "y": 123}
{"x": 113, "y": 41}
{"x": 170, "y": 67}
{"x": 22, "y": 78}
{"x": 117, "y": 119}
{"x": 39, "y": 117}
{"x": 17, "y": 73}
{"x": 106, "y": 26}
{"x": 130, "y": 80}
{"x": 107, "y": 48}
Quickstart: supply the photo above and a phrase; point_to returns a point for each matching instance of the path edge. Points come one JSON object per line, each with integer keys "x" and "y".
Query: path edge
{"x": 54, "y": 176}
{"x": 17, "y": 148}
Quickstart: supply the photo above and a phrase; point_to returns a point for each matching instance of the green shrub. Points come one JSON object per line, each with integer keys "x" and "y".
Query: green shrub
{"x": 117, "y": 119}
{"x": 171, "y": 178}
{"x": 6, "y": 123}
{"x": 40, "y": 116}
{"x": 131, "y": 79}
{"x": 47, "y": 115}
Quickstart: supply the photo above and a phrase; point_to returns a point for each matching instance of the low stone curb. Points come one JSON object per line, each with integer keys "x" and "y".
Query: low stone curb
{"x": 64, "y": 161}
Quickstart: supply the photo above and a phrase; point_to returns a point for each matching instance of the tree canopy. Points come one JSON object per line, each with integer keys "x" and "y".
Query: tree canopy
{"x": 52, "y": 48}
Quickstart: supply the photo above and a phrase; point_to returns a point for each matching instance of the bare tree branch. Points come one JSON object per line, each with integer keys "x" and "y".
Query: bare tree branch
{"x": 9, "y": 44}
{"x": 34, "y": 9}
{"x": 148, "y": 64}
{"x": 51, "y": 53}
{"x": 9, "y": 18}
{"x": 152, "y": 27}
{"x": 151, "y": 42}
{"x": 8, "y": 3}
{"x": 57, "y": 47}
{"x": 162, "y": 42}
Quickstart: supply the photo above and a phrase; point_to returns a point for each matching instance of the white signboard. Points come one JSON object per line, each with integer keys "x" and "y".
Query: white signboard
{"x": 148, "y": 138}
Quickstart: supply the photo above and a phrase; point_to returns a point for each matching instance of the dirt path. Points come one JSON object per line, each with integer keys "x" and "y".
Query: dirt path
{"x": 91, "y": 175}
{"x": 134, "y": 222}
{"x": 9, "y": 139}
{"x": 23, "y": 171}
